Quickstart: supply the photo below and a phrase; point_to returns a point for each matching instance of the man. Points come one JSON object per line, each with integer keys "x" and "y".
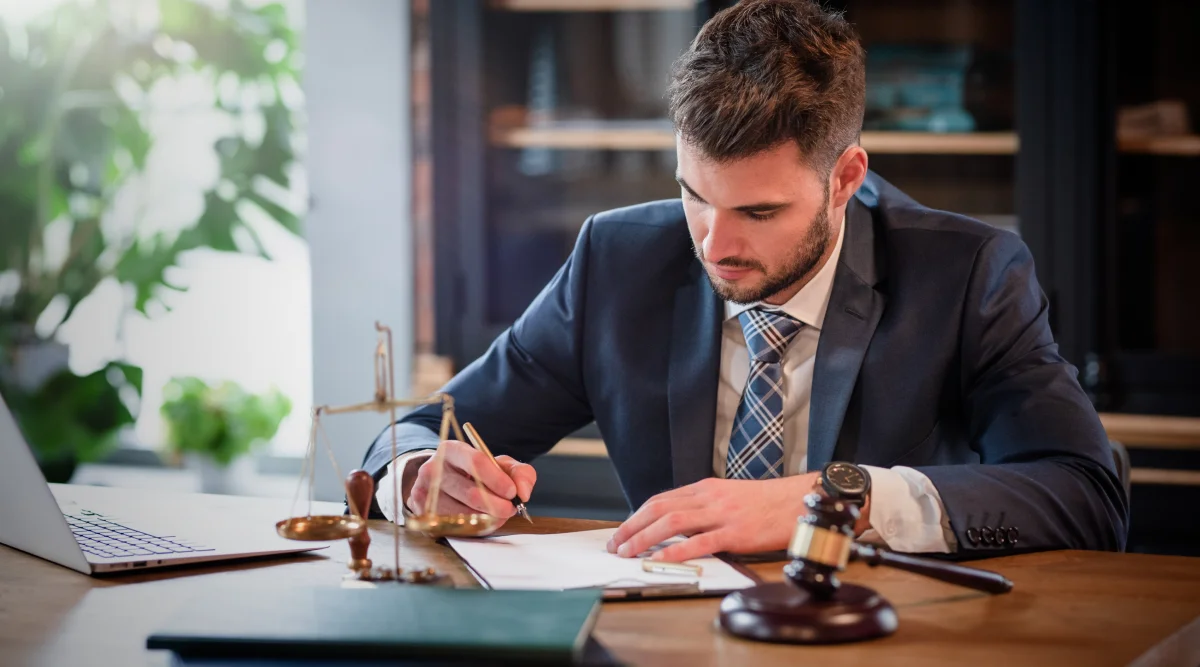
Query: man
{"x": 792, "y": 310}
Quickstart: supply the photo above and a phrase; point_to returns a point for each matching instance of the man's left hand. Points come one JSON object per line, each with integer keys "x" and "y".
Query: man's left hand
{"x": 738, "y": 516}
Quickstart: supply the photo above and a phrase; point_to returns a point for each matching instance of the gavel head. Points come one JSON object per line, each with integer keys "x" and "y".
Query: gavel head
{"x": 820, "y": 546}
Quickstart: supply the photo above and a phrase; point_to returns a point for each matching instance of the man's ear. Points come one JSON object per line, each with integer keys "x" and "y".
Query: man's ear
{"x": 847, "y": 175}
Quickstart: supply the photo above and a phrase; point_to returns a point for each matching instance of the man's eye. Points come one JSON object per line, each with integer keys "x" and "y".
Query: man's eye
{"x": 761, "y": 216}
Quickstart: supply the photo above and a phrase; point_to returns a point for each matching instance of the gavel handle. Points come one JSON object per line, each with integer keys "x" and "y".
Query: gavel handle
{"x": 968, "y": 577}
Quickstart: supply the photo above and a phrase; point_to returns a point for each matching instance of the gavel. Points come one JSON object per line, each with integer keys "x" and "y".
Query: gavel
{"x": 813, "y": 605}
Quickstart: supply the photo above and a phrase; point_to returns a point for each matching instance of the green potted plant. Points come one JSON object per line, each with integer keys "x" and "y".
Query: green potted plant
{"x": 213, "y": 428}
{"x": 76, "y": 86}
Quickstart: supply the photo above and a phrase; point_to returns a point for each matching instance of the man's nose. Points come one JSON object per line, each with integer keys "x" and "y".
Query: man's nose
{"x": 724, "y": 238}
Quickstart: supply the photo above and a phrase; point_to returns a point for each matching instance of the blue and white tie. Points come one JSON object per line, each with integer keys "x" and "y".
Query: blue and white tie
{"x": 756, "y": 443}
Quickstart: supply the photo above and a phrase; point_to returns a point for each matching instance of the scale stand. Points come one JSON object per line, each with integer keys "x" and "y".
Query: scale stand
{"x": 360, "y": 487}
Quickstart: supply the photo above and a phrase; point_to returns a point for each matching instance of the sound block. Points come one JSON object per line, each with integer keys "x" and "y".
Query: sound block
{"x": 783, "y": 612}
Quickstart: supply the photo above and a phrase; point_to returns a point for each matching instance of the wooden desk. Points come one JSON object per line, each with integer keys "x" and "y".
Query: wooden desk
{"x": 1067, "y": 608}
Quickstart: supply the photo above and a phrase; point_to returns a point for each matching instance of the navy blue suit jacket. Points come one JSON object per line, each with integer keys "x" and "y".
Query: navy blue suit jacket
{"x": 936, "y": 353}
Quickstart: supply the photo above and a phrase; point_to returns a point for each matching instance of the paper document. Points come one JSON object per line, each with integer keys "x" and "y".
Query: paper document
{"x": 579, "y": 560}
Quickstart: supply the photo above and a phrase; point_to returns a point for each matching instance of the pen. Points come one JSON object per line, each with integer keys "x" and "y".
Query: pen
{"x": 652, "y": 591}
{"x": 666, "y": 567}
{"x": 477, "y": 441}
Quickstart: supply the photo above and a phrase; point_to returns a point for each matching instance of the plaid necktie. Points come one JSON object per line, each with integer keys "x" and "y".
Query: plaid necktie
{"x": 756, "y": 444}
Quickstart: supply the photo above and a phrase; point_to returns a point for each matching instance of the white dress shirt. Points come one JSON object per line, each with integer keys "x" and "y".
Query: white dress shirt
{"x": 906, "y": 511}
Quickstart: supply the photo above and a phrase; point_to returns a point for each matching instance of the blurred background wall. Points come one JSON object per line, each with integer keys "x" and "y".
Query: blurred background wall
{"x": 360, "y": 167}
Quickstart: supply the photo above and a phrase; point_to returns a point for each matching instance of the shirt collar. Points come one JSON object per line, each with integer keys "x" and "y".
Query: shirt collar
{"x": 810, "y": 303}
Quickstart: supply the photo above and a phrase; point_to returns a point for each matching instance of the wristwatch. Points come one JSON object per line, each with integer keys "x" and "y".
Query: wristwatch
{"x": 845, "y": 481}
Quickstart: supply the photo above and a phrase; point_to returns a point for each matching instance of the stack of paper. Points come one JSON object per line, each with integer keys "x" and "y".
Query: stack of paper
{"x": 578, "y": 560}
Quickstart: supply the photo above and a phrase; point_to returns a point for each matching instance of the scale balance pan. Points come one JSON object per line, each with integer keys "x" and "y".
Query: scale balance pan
{"x": 320, "y": 528}
{"x": 453, "y": 525}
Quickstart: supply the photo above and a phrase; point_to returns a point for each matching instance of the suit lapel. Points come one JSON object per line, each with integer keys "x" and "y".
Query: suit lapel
{"x": 692, "y": 375}
{"x": 854, "y": 311}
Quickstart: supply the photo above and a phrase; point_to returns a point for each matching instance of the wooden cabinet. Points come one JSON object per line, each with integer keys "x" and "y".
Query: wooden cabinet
{"x": 1152, "y": 284}
{"x": 543, "y": 112}
{"x": 534, "y": 114}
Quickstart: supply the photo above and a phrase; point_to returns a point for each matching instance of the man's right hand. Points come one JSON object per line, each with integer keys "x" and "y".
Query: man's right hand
{"x": 459, "y": 492}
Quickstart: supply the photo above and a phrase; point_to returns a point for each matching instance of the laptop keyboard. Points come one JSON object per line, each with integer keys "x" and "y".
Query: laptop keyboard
{"x": 102, "y": 537}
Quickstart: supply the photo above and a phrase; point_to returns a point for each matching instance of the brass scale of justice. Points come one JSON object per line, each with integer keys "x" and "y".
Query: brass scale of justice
{"x": 360, "y": 486}
{"x": 811, "y": 606}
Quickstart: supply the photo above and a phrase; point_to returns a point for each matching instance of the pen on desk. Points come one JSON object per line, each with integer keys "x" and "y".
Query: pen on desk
{"x": 652, "y": 591}
{"x": 667, "y": 567}
{"x": 477, "y": 441}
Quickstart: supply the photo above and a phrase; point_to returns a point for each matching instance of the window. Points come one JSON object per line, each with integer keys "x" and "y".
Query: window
{"x": 237, "y": 316}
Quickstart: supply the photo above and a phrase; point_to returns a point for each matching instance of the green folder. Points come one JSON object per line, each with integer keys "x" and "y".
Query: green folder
{"x": 396, "y": 621}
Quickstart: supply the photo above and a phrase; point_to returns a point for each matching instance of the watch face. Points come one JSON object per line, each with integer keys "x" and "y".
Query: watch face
{"x": 846, "y": 478}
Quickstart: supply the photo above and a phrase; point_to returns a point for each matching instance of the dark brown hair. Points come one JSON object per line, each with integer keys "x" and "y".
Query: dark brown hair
{"x": 763, "y": 72}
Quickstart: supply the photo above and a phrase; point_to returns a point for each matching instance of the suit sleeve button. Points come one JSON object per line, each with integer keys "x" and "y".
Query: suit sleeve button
{"x": 987, "y": 535}
{"x": 1001, "y": 536}
{"x": 973, "y": 536}
{"x": 1013, "y": 534}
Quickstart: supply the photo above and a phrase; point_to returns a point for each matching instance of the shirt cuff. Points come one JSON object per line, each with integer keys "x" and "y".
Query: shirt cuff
{"x": 385, "y": 494}
{"x": 907, "y": 514}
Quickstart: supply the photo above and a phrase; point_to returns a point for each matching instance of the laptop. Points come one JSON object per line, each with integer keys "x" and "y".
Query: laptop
{"x": 97, "y": 530}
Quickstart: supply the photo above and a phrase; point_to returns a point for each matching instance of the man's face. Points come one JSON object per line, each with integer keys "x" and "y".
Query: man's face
{"x": 759, "y": 225}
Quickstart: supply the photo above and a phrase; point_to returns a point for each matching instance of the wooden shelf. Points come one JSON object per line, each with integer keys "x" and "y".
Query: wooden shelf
{"x": 1165, "y": 476}
{"x": 1152, "y": 431}
{"x": 934, "y": 143}
{"x": 652, "y": 135}
{"x": 649, "y": 135}
{"x": 1186, "y": 144}
{"x": 592, "y": 448}
{"x": 589, "y": 5}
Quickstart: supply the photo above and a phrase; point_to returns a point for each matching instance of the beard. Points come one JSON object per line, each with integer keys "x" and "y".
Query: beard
{"x": 804, "y": 259}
